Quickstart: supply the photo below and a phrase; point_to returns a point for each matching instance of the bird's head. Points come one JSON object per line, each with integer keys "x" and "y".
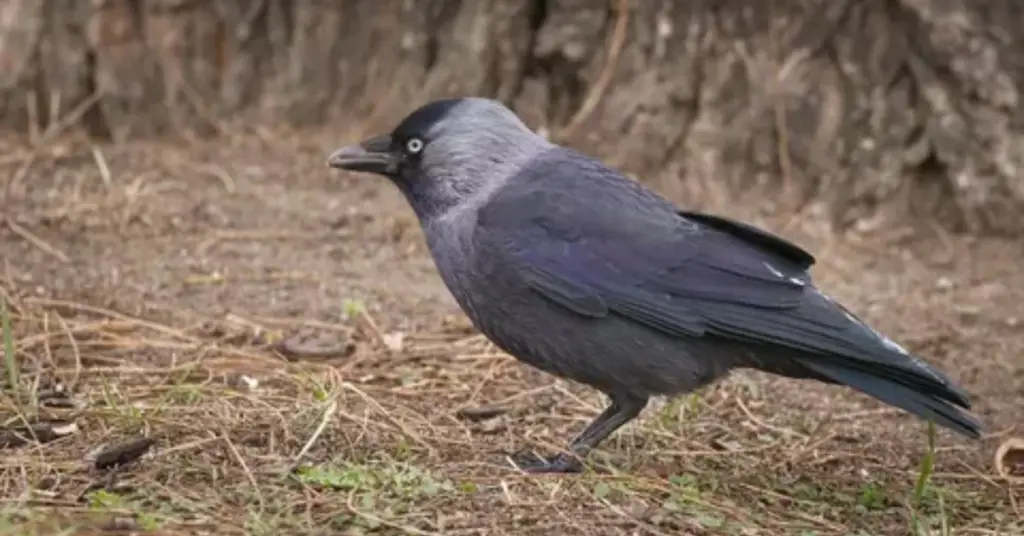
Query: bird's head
{"x": 446, "y": 152}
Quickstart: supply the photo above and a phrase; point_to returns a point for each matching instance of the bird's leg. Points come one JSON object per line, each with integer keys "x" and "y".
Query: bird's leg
{"x": 623, "y": 409}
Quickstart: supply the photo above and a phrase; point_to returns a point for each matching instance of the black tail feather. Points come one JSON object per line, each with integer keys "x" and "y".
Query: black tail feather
{"x": 931, "y": 404}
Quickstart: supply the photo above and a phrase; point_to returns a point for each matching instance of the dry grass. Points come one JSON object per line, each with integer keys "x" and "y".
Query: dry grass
{"x": 137, "y": 403}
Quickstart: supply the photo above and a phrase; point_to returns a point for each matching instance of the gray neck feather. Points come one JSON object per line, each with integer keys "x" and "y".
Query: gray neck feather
{"x": 468, "y": 159}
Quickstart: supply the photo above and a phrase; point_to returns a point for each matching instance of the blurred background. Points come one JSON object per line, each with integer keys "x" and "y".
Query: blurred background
{"x": 909, "y": 103}
{"x": 180, "y": 269}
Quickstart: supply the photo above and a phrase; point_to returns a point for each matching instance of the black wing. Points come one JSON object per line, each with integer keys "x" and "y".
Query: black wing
{"x": 601, "y": 245}
{"x": 753, "y": 236}
{"x": 618, "y": 250}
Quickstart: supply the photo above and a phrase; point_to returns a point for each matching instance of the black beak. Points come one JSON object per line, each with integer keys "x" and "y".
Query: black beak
{"x": 370, "y": 156}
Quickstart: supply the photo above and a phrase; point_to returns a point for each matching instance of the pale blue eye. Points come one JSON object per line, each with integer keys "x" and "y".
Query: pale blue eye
{"x": 414, "y": 145}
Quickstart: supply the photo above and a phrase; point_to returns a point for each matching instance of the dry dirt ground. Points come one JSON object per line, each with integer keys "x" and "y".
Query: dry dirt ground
{"x": 273, "y": 339}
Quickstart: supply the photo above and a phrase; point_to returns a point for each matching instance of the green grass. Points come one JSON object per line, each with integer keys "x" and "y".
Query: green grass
{"x": 922, "y": 488}
{"x": 10, "y": 363}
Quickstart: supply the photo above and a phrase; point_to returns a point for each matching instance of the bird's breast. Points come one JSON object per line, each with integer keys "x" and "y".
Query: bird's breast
{"x": 451, "y": 250}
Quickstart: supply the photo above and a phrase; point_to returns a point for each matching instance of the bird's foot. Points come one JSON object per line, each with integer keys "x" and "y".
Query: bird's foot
{"x": 560, "y": 463}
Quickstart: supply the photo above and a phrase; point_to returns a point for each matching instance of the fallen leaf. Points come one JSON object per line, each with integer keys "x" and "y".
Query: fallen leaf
{"x": 395, "y": 341}
{"x": 1010, "y": 458}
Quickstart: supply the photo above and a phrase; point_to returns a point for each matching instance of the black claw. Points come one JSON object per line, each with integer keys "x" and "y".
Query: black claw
{"x": 559, "y": 463}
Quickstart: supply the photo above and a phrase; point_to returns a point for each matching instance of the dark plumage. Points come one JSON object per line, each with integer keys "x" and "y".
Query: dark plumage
{"x": 576, "y": 270}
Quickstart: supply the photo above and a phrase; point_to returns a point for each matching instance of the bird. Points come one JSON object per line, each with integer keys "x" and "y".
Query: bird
{"x": 572, "y": 268}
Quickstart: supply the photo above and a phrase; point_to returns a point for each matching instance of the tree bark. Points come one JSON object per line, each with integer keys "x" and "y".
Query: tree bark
{"x": 904, "y": 107}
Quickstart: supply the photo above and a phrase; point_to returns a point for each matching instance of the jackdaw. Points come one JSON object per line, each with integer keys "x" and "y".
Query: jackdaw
{"x": 581, "y": 272}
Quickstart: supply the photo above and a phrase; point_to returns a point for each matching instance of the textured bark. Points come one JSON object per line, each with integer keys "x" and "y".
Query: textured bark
{"x": 907, "y": 105}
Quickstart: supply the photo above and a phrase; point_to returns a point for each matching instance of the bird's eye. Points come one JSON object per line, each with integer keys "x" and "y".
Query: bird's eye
{"x": 414, "y": 145}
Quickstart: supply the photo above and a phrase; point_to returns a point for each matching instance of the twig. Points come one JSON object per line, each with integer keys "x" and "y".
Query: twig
{"x": 46, "y": 302}
{"x": 67, "y": 121}
{"x": 615, "y": 42}
{"x": 225, "y": 178}
{"x": 374, "y": 328}
{"x": 18, "y": 176}
{"x": 245, "y": 467}
{"x": 288, "y": 322}
{"x": 185, "y": 446}
{"x": 74, "y": 350}
{"x": 255, "y": 234}
{"x": 395, "y": 422}
{"x": 35, "y": 240}
{"x": 13, "y": 307}
{"x": 55, "y": 102}
{"x": 52, "y": 131}
{"x": 32, "y": 109}
{"x": 766, "y": 426}
{"x": 781, "y": 126}
{"x": 325, "y": 417}
{"x": 101, "y": 165}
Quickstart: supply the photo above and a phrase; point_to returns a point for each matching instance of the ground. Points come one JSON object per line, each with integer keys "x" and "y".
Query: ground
{"x": 277, "y": 332}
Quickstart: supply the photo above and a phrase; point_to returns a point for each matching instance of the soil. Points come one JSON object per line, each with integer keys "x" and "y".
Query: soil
{"x": 201, "y": 240}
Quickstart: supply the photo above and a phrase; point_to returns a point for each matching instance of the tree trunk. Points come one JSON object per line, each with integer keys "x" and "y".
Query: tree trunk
{"x": 909, "y": 105}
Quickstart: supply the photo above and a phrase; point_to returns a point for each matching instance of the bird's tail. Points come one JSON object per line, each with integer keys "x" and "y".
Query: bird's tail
{"x": 924, "y": 396}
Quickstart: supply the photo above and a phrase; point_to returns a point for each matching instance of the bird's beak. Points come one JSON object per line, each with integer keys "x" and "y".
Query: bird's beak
{"x": 371, "y": 156}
